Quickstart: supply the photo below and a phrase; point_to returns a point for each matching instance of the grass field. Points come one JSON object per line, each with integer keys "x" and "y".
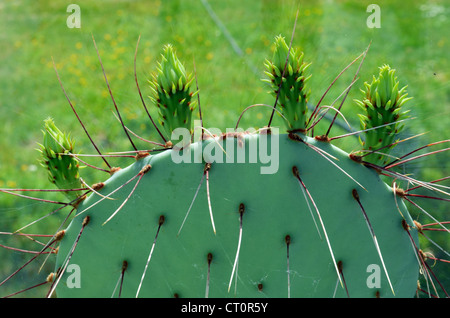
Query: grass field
{"x": 229, "y": 41}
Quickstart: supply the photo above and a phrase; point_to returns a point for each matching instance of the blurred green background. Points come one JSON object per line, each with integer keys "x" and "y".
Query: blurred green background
{"x": 229, "y": 41}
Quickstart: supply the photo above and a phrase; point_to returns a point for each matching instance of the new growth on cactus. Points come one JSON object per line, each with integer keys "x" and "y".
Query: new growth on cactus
{"x": 172, "y": 94}
{"x": 288, "y": 83}
{"x": 382, "y": 105}
{"x": 63, "y": 169}
{"x": 326, "y": 223}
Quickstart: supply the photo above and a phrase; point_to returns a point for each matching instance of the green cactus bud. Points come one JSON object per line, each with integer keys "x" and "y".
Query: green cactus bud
{"x": 293, "y": 95}
{"x": 382, "y": 104}
{"x": 63, "y": 169}
{"x": 171, "y": 92}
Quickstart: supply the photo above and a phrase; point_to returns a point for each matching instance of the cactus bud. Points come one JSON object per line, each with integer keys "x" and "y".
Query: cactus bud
{"x": 293, "y": 95}
{"x": 171, "y": 92}
{"x": 382, "y": 104}
{"x": 63, "y": 169}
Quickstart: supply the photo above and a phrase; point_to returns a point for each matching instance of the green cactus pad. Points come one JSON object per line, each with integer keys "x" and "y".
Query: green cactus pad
{"x": 268, "y": 213}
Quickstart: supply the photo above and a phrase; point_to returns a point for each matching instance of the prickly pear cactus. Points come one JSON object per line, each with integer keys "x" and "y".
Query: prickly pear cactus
{"x": 244, "y": 213}
{"x": 300, "y": 218}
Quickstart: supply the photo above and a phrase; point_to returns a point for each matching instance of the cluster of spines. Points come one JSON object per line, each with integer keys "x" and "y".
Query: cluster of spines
{"x": 287, "y": 78}
{"x": 382, "y": 105}
{"x": 172, "y": 95}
